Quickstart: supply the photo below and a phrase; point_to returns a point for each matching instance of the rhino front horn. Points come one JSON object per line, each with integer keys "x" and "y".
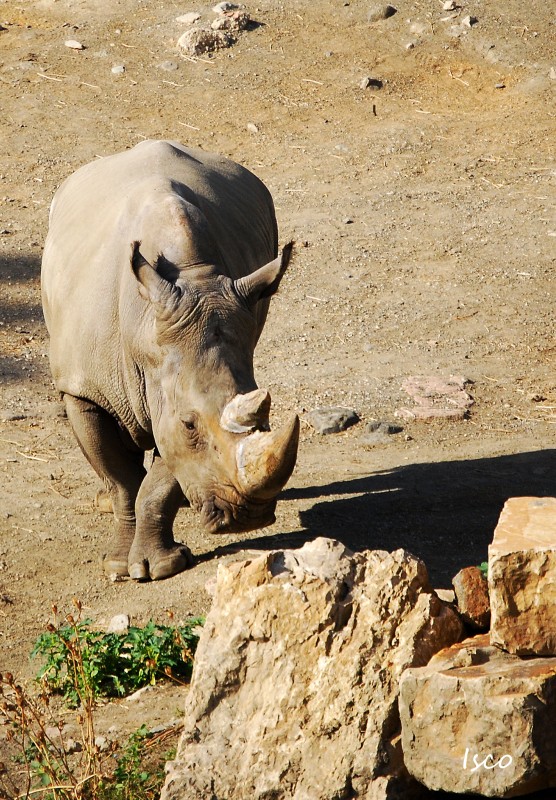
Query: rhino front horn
{"x": 265, "y": 460}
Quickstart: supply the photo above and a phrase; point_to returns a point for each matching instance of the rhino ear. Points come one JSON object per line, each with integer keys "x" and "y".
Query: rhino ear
{"x": 152, "y": 286}
{"x": 264, "y": 282}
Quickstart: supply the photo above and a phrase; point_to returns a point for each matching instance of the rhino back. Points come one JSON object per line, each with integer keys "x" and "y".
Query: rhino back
{"x": 93, "y": 310}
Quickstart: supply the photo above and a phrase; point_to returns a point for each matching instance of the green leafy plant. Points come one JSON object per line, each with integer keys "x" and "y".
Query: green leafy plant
{"x": 78, "y": 658}
{"x": 83, "y": 664}
{"x": 484, "y": 568}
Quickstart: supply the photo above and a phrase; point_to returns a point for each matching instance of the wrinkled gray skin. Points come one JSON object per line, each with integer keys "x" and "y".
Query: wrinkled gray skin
{"x": 157, "y": 272}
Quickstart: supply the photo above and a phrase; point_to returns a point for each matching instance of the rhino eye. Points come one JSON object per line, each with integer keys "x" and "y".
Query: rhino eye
{"x": 188, "y": 424}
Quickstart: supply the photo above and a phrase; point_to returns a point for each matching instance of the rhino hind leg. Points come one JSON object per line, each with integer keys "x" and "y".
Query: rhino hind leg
{"x": 118, "y": 465}
{"x": 154, "y": 554}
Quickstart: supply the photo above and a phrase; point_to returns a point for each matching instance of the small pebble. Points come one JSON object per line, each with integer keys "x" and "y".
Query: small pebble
{"x": 13, "y": 417}
{"x": 348, "y": 221}
{"x": 380, "y": 11}
{"x": 499, "y": 85}
{"x": 118, "y": 624}
{"x": 168, "y": 66}
{"x": 118, "y": 69}
{"x": 379, "y": 432}
{"x": 332, "y": 420}
{"x": 449, "y": 5}
{"x": 252, "y": 128}
{"x": 188, "y": 19}
{"x": 469, "y": 21}
{"x": 552, "y": 74}
{"x": 370, "y": 83}
{"x": 221, "y": 8}
{"x": 74, "y": 45}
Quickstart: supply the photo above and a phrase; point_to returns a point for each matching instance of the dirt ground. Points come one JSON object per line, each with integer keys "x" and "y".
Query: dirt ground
{"x": 423, "y": 216}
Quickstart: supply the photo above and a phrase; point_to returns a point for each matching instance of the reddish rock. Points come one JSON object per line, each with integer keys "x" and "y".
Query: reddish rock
{"x": 471, "y": 590}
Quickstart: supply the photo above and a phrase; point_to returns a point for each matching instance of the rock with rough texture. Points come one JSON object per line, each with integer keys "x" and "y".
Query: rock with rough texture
{"x": 478, "y": 720}
{"x": 295, "y": 683}
{"x": 332, "y": 420}
{"x": 471, "y": 588}
{"x": 522, "y": 577}
{"x": 197, "y": 41}
{"x": 379, "y": 432}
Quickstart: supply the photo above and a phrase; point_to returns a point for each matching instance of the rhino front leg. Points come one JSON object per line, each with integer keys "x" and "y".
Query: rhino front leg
{"x": 154, "y": 553}
{"x": 120, "y": 466}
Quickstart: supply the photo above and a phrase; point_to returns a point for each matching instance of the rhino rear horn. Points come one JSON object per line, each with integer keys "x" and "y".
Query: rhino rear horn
{"x": 265, "y": 281}
{"x": 247, "y": 412}
{"x": 265, "y": 460}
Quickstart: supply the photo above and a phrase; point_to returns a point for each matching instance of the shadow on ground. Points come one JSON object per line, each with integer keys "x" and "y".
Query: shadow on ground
{"x": 444, "y": 513}
{"x": 20, "y": 317}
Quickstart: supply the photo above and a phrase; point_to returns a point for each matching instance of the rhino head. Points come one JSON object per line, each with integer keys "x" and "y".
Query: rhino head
{"x": 210, "y": 421}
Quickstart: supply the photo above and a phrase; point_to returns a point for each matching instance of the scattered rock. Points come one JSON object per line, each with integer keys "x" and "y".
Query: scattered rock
{"x": 73, "y": 746}
{"x": 332, "y": 420}
{"x": 15, "y": 417}
{"x": 101, "y": 742}
{"x": 469, "y": 21}
{"x": 379, "y": 432}
{"x": 522, "y": 577}
{"x": 368, "y": 83}
{"x": 446, "y": 595}
{"x": 118, "y": 69}
{"x": 380, "y": 11}
{"x": 203, "y": 40}
{"x": 436, "y": 397}
{"x": 449, "y": 5}
{"x": 223, "y": 8}
{"x": 168, "y": 66}
{"x": 74, "y": 45}
{"x": 471, "y": 588}
{"x": 188, "y": 19}
{"x": 295, "y": 681}
{"x": 235, "y": 21}
{"x": 252, "y": 128}
{"x": 552, "y": 74}
{"x": 499, "y": 85}
{"x": 118, "y": 624}
{"x": 474, "y": 702}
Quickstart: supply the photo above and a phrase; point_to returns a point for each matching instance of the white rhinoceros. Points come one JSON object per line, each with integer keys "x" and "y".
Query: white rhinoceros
{"x": 157, "y": 272}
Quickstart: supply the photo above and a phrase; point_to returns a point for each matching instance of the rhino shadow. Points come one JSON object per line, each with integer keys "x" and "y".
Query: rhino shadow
{"x": 16, "y": 269}
{"x": 445, "y": 513}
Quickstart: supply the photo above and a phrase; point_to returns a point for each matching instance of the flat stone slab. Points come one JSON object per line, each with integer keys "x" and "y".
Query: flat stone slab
{"x": 436, "y": 397}
{"x": 479, "y": 720}
{"x": 522, "y": 577}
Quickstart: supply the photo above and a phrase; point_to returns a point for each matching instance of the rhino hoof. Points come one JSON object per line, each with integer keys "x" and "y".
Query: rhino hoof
{"x": 114, "y": 568}
{"x": 175, "y": 562}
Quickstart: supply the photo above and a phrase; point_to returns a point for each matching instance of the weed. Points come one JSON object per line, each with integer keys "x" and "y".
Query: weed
{"x": 83, "y": 664}
{"x": 484, "y": 568}
{"x": 78, "y": 659}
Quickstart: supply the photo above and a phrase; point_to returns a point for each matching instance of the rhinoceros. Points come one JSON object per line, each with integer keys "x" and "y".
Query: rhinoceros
{"x": 157, "y": 273}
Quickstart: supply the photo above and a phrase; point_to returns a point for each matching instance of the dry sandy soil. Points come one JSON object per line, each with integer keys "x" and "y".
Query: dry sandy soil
{"x": 422, "y": 213}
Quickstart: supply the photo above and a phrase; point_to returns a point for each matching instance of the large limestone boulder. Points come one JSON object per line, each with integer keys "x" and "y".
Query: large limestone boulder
{"x": 479, "y": 720}
{"x": 295, "y": 685}
{"x": 522, "y": 577}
